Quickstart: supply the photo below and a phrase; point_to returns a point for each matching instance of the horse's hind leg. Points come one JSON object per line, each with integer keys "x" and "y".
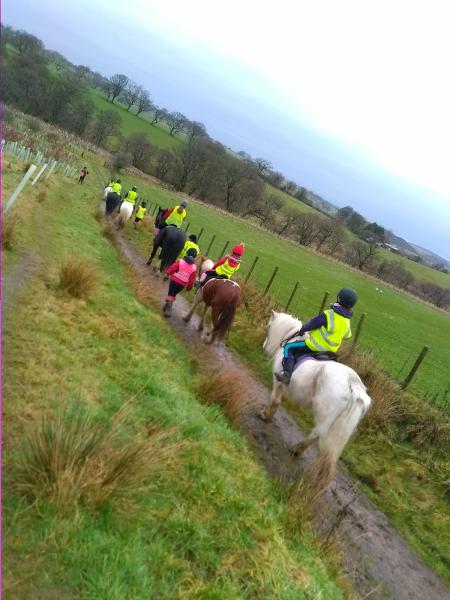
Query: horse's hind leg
{"x": 197, "y": 299}
{"x": 306, "y": 443}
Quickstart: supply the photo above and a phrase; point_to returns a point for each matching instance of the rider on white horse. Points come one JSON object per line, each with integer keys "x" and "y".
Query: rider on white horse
{"x": 327, "y": 331}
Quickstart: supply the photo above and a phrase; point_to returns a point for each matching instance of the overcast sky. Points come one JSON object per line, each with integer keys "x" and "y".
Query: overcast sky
{"x": 349, "y": 99}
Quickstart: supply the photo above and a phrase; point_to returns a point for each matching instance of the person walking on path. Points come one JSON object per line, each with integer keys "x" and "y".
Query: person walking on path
{"x": 191, "y": 242}
{"x": 83, "y": 174}
{"x": 182, "y": 275}
{"x": 140, "y": 213}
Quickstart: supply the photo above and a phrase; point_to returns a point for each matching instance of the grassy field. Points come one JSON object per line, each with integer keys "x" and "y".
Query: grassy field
{"x": 397, "y": 325}
{"x": 404, "y": 480}
{"x": 207, "y": 523}
{"x": 157, "y": 134}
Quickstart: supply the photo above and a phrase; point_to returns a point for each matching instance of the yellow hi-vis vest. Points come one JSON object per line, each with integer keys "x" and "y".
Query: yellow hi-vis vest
{"x": 140, "y": 212}
{"x": 227, "y": 269}
{"x": 187, "y": 246}
{"x": 330, "y": 337}
{"x": 131, "y": 197}
{"x": 176, "y": 218}
{"x": 116, "y": 187}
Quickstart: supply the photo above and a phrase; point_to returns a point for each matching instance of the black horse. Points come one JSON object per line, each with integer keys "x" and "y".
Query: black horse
{"x": 112, "y": 202}
{"x": 170, "y": 239}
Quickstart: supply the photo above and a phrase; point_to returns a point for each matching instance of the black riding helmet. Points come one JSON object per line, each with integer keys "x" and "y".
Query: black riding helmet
{"x": 347, "y": 297}
{"x": 134, "y": 188}
{"x": 189, "y": 259}
{"x": 191, "y": 252}
{"x": 193, "y": 238}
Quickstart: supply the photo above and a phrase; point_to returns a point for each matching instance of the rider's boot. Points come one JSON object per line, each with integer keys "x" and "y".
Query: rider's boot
{"x": 149, "y": 262}
{"x": 285, "y": 375}
{"x": 167, "y": 309}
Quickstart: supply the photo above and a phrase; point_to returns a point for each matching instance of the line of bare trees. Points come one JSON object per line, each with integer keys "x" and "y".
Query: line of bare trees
{"x": 201, "y": 167}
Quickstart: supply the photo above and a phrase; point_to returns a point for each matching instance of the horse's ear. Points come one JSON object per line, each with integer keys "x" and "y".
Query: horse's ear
{"x": 274, "y": 313}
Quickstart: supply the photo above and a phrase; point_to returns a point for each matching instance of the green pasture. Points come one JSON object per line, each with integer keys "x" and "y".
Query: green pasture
{"x": 212, "y": 525}
{"x": 406, "y": 482}
{"x": 396, "y": 327}
{"x": 420, "y": 271}
{"x": 157, "y": 134}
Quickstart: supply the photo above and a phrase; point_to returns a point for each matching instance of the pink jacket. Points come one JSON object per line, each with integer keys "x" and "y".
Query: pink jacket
{"x": 183, "y": 273}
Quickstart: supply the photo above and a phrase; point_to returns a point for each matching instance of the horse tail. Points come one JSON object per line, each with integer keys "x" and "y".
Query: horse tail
{"x": 333, "y": 441}
{"x": 226, "y": 317}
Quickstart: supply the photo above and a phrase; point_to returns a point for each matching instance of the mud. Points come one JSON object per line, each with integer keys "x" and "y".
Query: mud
{"x": 379, "y": 562}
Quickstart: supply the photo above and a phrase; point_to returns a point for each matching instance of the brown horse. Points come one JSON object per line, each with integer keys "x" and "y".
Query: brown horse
{"x": 224, "y": 297}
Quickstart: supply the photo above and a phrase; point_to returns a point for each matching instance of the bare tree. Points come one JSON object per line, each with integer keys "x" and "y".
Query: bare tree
{"x": 326, "y": 229}
{"x": 27, "y": 43}
{"x": 116, "y": 84}
{"x": 144, "y": 102}
{"x": 176, "y": 122}
{"x": 361, "y": 254}
{"x": 195, "y": 129}
{"x": 107, "y": 123}
{"x": 164, "y": 163}
{"x": 81, "y": 73}
{"x": 131, "y": 93}
{"x": 159, "y": 114}
{"x": 288, "y": 218}
{"x": 264, "y": 208}
{"x": 262, "y": 166}
{"x": 290, "y": 187}
{"x": 140, "y": 150}
{"x": 306, "y": 226}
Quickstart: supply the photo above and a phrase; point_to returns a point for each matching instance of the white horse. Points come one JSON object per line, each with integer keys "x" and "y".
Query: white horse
{"x": 106, "y": 191}
{"x": 333, "y": 391}
{"x": 126, "y": 210}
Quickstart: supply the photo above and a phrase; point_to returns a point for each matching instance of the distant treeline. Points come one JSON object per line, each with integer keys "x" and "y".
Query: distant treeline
{"x": 43, "y": 83}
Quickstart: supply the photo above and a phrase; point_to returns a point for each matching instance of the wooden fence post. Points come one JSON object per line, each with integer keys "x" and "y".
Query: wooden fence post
{"x": 187, "y": 227}
{"x": 359, "y": 328}
{"x": 291, "y": 297}
{"x": 199, "y": 235}
{"x": 324, "y": 301}
{"x": 270, "y": 280}
{"x": 224, "y": 249}
{"x": 416, "y": 365}
{"x": 154, "y": 210}
{"x": 251, "y": 268}
{"x": 210, "y": 245}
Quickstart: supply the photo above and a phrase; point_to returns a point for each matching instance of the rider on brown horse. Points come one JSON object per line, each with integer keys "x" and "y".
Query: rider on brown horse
{"x": 226, "y": 266}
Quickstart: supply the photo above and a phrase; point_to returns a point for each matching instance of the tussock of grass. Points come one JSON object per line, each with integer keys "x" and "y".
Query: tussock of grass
{"x": 384, "y": 392}
{"x": 73, "y": 460}
{"x": 42, "y": 196}
{"x": 77, "y": 278}
{"x": 8, "y": 230}
{"x": 231, "y": 390}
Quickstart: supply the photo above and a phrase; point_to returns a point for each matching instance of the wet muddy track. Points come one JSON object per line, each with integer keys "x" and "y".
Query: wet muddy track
{"x": 379, "y": 562}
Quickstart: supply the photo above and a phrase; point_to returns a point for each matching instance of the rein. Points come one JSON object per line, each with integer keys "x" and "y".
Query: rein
{"x": 289, "y": 337}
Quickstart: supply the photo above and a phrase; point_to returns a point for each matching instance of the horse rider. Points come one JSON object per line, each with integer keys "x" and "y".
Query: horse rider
{"x": 327, "y": 331}
{"x": 116, "y": 187}
{"x": 191, "y": 242}
{"x": 175, "y": 216}
{"x": 182, "y": 275}
{"x": 130, "y": 197}
{"x": 226, "y": 266}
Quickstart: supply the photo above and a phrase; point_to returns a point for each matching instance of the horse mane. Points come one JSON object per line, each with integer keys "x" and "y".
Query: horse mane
{"x": 280, "y": 326}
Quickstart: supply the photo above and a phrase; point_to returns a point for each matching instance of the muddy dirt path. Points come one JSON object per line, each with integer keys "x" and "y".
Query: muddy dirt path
{"x": 379, "y": 562}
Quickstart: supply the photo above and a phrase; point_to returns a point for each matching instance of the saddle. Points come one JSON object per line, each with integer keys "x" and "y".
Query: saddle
{"x": 315, "y": 356}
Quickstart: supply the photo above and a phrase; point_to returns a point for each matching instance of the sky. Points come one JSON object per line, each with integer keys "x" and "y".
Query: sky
{"x": 349, "y": 99}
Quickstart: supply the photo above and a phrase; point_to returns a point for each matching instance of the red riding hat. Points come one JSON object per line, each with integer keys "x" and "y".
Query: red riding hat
{"x": 238, "y": 250}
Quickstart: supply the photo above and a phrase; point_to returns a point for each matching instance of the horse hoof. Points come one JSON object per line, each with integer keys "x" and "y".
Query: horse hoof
{"x": 264, "y": 416}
